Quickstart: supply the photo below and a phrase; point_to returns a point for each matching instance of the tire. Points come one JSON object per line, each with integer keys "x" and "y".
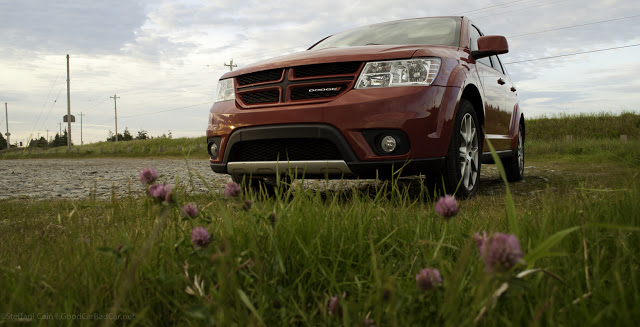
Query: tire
{"x": 461, "y": 172}
{"x": 514, "y": 166}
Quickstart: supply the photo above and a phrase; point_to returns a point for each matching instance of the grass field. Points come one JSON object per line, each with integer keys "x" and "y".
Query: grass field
{"x": 283, "y": 260}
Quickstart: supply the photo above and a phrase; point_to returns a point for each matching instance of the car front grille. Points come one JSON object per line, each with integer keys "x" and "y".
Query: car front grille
{"x": 307, "y": 84}
{"x": 337, "y": 68}
{"x": 284, "y": 150}
{"x": 264, "y": 76}
{"x": 261, "y": 97}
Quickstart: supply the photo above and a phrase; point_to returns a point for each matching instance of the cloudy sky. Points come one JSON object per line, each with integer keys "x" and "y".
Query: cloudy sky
{"x": 163, "y": 58}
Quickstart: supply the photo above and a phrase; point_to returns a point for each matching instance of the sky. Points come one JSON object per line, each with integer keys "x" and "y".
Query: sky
{"x": 162, "y": 59}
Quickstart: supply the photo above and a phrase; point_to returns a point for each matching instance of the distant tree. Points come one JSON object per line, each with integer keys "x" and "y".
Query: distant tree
{"x": 59, "y": 140}
{"x": 142, "y": 135}
{"x": 3, "y": 142}
{"x": 126, "y": 136}
{"x": 41, "y": 143}
{"x": 170, "y": 135}
{"x": 112, "y": 137}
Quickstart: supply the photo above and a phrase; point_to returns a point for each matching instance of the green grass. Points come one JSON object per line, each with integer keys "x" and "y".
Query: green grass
{"x": 584, "y": 126}
{"x": 127, "y": 256}
{"x": 157, "y": 147}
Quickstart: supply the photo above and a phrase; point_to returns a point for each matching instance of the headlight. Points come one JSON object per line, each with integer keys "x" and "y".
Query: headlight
{"x": 225, "y": 90}
{"x": 399, "y": 73}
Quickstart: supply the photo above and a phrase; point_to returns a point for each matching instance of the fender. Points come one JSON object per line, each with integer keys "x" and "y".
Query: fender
{"x": 461, "y": 77}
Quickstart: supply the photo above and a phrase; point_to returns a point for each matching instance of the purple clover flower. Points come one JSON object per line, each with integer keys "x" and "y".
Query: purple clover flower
{"x": 428, "y": 278}
{"x": 190, "y": 210}
{"x": 155, "y": 190}
{"x": 148, "y": 176}
{"x": 447, "y": 206}
{"x": 334, "y": 307}
{"x": 200, "y": 237}
{"x": 500, "y": 252}
{"x": 161, "y": 192}
{"x": 232, "y": 189}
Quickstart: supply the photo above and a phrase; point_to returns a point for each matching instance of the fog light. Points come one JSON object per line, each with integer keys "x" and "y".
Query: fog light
{"x": 388, "y": 144}
{"x": 213, "y": 150}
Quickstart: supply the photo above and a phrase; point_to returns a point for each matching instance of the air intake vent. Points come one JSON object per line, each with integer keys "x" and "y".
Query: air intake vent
{"x": 260, "y": 77}
{"x": 284, "y": 150}
{"x": 261, "y": 97}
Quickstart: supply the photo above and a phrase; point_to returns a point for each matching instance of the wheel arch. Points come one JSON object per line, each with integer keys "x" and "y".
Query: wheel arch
{"x": 472, "y": 94}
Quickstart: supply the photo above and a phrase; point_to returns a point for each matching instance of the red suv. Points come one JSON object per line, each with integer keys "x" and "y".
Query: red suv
{"x": 417, "y": 96}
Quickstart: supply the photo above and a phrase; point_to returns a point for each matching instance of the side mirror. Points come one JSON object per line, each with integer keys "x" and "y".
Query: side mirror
{"x": 490, "y": 45}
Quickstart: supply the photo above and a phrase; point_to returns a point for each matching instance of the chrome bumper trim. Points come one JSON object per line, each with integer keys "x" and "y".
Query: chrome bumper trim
{"x": 315, "y": 167}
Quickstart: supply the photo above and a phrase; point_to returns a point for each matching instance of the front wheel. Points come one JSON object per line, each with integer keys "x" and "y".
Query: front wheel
{"x": 462, "y": 163}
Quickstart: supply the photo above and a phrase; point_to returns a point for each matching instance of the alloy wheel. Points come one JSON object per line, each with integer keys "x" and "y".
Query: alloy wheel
{"x": 520, "y": 153}
{"x": 469, "y": 156}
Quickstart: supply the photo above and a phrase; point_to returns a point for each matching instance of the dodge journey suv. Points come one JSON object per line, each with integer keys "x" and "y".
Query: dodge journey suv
{"x": 417, "y": 96}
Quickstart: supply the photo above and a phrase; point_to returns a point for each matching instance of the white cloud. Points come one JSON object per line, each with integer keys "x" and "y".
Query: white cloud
{"x": 165, "y": 57}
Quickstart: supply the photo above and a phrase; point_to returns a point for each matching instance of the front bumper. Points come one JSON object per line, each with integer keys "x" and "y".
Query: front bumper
{"x": 346, "y": 164}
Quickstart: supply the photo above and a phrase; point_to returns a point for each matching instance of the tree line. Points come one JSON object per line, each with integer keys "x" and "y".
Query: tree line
{"x": 61, "y": 139}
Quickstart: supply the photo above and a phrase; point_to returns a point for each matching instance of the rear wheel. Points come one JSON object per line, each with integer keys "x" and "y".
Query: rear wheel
{"x": 462, "y": 163}
{"x": 514, "y": 166}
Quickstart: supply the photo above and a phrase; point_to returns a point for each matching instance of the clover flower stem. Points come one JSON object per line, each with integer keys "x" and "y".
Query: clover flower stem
{"x": 586, "y": 253}
{"x": 444, "y": 234}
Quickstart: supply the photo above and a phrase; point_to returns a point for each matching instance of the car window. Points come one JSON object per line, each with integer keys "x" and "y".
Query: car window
{"x": 497, "y": 64}
{"x": 474, "y": 34}
{"x": 427, "y": 31}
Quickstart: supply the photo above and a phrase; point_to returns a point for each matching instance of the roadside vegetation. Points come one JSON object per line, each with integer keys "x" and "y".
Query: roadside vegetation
{"x": 366, "y": 255}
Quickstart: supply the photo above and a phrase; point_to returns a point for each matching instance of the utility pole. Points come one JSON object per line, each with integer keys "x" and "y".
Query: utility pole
{"x": 68, "y": 108}
{"x": 48, "y": 136}
{"x": 231, "y": 65}
{"x": 115, "y": 108}
{"x": 60, "y": 124}
{"x": 81, "y": 142}
{"x": 6, "y": 112}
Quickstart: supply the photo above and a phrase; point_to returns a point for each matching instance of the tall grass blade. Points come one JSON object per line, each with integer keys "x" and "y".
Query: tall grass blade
{"x": 511, "y": 207}
{"x": 542, "y": 250}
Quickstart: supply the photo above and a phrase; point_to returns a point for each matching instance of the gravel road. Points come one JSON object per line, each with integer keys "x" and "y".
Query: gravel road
{"x": 78, "y": 178}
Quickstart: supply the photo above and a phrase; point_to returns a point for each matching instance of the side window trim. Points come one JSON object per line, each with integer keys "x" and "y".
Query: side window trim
{"x": 499, "y": 66}
{"x": 476, "y": 44}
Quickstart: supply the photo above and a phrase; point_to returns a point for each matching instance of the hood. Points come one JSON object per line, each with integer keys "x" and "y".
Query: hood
{"x": 344, "y": 54}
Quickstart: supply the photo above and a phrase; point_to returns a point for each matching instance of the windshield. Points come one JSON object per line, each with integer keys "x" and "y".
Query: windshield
{"x": 427, "y": 31}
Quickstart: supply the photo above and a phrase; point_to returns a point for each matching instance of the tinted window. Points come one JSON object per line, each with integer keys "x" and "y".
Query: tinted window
{"x": 428, "y": 31}
{"x": 497, "y": 64}
{"x": 474, "y": 34}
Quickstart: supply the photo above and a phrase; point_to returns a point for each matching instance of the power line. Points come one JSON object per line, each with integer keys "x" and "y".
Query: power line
{"x": 157, "y": 112}
{"x": 510, "y": 11}
{"x": 489, "y": 7}
{"x": 572, "y": 54}
{"x": 51, "y": 108}
{"x": 574, "y": 26}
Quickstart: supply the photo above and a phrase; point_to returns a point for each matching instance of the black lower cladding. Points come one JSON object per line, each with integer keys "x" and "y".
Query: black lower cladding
{"x": 300, "y": 142}
{"x": 284, "y": 150}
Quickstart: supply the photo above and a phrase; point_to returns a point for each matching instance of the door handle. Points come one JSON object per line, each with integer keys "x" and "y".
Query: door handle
{"x": 513, "y": 89}
{"x": 501, "y": 81}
